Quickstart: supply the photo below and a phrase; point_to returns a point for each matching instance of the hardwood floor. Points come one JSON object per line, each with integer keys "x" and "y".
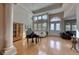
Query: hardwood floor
{"x": 47, "y": 46}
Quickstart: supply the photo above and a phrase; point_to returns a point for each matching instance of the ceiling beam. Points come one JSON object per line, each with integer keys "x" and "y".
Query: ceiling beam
{"x": 49, "y": 7}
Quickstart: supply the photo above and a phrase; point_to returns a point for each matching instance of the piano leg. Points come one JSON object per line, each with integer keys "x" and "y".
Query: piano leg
{"x": 32, "y": 40}
{"x": 36, "y": 40}
{"x": 27, "y": 40}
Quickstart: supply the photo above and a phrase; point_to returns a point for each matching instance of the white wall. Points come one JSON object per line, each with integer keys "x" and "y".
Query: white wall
{"x": 21, "y": 15}
{"x": 77, "y": 16}
{"x": 69, "y": 10}
{"x": 54, "y": 11}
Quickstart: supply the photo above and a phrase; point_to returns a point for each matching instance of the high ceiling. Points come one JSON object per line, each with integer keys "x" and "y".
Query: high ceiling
{"x": 68, "y": 8}
{"x": 35, "y": 6}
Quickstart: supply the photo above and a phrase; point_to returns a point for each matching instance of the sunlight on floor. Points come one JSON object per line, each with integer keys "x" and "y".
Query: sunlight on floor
{"x": 41, "y": 52}
{"x": 55, "y": 44}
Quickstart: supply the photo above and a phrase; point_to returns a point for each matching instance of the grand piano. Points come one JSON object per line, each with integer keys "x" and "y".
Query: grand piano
{"x": 31, "y": 35}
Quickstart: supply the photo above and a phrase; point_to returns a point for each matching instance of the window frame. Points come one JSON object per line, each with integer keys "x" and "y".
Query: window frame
{"x": 71, "y": 22}
{"x": 55, "y": 22}
{"x": 41, "y": 21}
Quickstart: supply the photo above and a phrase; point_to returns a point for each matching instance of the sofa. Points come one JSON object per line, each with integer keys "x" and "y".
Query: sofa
{"x": 67, "y": 34}
{"x": 41, "y": 33}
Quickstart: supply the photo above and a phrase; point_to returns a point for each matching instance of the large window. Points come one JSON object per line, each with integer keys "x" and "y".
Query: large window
{"x": 39, "y": 17}
{"x": 34, "y": 19}
{"x": 52, "y": 26}
{"x": 44, "y": 26}
{"x": 70, "y": 25}
{"x": 55, "y": 24}
{"x": 74, "y": 27}
{"x": 39, "y": 26}
{"x": 58, "y": 26}
{"x": 35, "y": 26}
{"x": 44, "y": 17}
{"x": 40, "y": 22}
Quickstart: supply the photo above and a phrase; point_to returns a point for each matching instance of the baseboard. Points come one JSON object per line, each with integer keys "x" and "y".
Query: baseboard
{"x": 10, "y": 51}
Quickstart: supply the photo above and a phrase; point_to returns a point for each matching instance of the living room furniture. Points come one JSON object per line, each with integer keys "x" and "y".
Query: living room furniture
{"x": 31, "y": 35}
{"x": 17, "y": 31}
{"x": 66, "y": 35}
{"x": 42, "y": 34}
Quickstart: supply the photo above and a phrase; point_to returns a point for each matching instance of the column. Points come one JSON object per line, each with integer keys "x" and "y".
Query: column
{"x": 9, "y": 47}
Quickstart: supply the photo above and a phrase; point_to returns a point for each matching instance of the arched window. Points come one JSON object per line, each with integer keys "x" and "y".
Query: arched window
{"x": 55, "y": 23}
{"x": 55, "y": 19}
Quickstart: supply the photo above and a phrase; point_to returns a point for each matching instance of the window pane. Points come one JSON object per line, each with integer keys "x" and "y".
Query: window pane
{"x": 52, "y": 26}
{"x": 74, "y": 27}
{"x": 35, "y": 18}
{"x": 57, "y": 26}
{"x": 68, "y": 27}
{"x": 44, "y": 17}
{"x": 39, "y": 17}
{"x": 55, "y": 19}
{"x": 44, "y": 26}
{"x": 35, "y": 26}
{"x": 39, "y": 26}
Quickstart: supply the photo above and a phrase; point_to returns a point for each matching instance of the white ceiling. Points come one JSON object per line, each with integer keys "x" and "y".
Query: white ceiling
{"x": 68, "y": 8}
{"x": 35, "y": 6}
